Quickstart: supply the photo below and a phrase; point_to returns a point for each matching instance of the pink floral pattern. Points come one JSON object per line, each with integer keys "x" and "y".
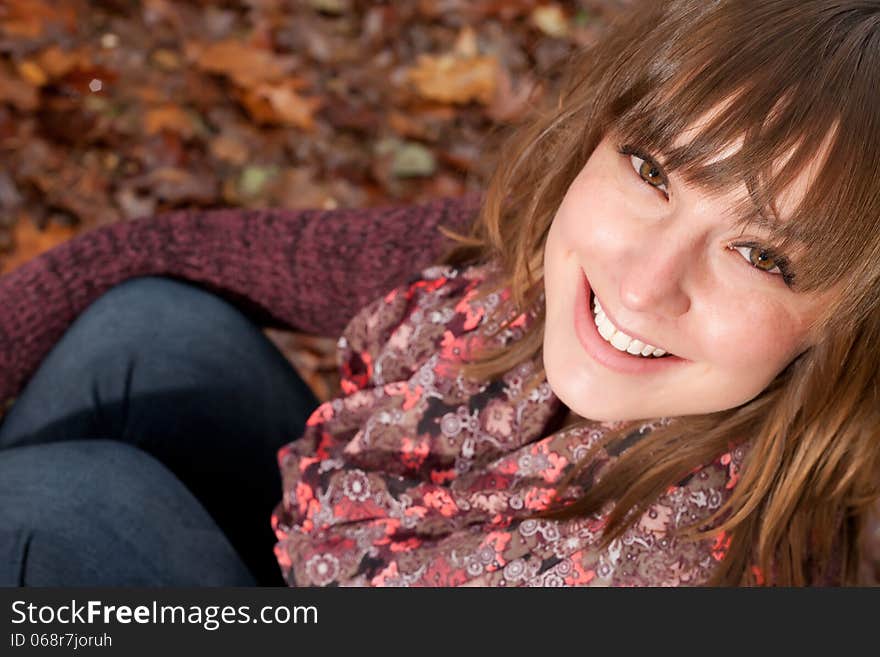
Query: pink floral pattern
{"x": 417, "y": 477}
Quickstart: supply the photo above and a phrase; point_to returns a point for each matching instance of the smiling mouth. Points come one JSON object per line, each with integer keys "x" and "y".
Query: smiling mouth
{"x": 620, "y": 340}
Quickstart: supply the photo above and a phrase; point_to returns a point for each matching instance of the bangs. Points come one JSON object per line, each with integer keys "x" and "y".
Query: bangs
{"x": 778, "y": 96}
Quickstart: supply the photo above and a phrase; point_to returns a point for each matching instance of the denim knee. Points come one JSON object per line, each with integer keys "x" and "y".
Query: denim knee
{"x": 158, "y": 317}
{"x": 155, "y": 337}
{"x": 103, "y": 513}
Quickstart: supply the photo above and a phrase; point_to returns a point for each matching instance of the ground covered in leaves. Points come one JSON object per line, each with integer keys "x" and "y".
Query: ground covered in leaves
{"x": 117, "y": 109}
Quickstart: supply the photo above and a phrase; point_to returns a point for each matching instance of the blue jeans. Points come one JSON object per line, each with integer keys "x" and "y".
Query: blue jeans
{"x": 143, "y": 450}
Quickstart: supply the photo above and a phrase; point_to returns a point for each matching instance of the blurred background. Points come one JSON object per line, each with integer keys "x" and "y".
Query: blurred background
{"x": 117, "y": 109}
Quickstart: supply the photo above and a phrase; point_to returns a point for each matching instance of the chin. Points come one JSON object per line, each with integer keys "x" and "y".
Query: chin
{"x": 582, "y": 394}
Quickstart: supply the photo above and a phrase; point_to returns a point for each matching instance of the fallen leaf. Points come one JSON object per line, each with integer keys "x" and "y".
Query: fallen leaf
{"x": 56, "y": 61}
{"x": 17, "y": 92}
{"x": 176, "y": 186}
{"x": 287, "y": 106}
{"x": 230, "y": 149}
{"x": 451, "y": 79}
{"x": 169, "y": 117}
{"x": 411, "y": 160}
{"x": 313, "y": 357}
{"x": 134, "y": 204}
{"x": 459, "y": 76}
{"x": 31, "y": 72}
{"x": 295, "y": 187}
{"x": 244, "y": 63}
{"x": 466, "y": 43}
{"x": 551, "y": 20}
{"x": 254, "y": 178}
{"x": 165, "y": 59}
{"x": 30, "y": 241}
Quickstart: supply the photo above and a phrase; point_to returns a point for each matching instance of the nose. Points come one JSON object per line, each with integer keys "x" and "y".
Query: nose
{"x": 652, "y": 278}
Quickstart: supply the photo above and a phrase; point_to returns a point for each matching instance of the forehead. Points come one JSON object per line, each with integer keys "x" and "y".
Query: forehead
{"x": 783, "y": 204}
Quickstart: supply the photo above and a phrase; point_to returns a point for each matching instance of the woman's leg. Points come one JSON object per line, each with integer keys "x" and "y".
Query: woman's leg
{"x": 108, "y": 514}
{"x": 183, "y": 375}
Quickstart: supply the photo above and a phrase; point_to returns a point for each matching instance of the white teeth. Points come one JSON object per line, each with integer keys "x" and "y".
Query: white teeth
{"x": 635, "y": 347}
{"x": 606, "y": 329}
{"x": 620, "y": 340}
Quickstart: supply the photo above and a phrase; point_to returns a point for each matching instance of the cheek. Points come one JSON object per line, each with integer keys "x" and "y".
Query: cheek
{"x": 758, "y": 337}
{"x": 586, "y": 219}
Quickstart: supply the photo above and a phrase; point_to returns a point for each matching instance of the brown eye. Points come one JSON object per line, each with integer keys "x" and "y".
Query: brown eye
{"x": 765, "y": 261}
{"x": 759, "y": 258}
{"x": 762, "y": 260}
{"x": 649, "y": 172}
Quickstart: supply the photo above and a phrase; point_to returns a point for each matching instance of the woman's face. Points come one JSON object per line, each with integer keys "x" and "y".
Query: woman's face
{"x": 670, "y": 269}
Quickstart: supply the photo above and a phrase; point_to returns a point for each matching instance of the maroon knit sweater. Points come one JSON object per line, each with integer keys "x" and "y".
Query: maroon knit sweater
{"x": 308, "y": 270}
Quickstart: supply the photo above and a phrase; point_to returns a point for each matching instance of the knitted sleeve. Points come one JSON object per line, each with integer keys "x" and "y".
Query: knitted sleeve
{"x": 309, "y": 270}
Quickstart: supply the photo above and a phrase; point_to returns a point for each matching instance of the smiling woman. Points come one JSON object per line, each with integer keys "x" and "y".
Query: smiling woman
{"x": 704, "y": 254}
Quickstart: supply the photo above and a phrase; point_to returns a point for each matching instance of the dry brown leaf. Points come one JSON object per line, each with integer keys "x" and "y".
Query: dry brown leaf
{"x": 175, "y": 185}
{"x": 31, "y": 241}
{"x": 229, "y": 149}
{"x": 313, "y": 357}
{"x": 451, "y": 79}
{"x": 165, "y": 59}
{"x": 16, "y": 91}
{"x": 551, "y": 20}
{"x": 149, "y": 95}
{"x": 246, "y": 64}
{"x": 169, "y": 117}
{"x": 295, "y": 187}
{"x": 459, "y": 76}
{"x": 466, "y": 43}
{"x": 405, "y": 125}
{"x": 280, "y": 104}
{"x": 31, "y": 72}
{"x": 56, "y": 62}
{"x": 288, "y": 106}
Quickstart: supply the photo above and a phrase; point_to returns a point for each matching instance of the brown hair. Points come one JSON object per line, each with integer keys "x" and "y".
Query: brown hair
{"x": 794, "y": 79}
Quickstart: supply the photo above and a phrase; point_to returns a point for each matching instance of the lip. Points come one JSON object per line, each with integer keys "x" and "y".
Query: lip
{"x": 601, "y": 350}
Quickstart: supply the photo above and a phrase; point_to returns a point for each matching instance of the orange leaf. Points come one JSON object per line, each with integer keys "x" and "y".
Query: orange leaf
{"x": 451, "y": 79}
{"x": 32, "y": 73}
{"x": 289, "y": 107}
{"x": 246, "y": 64}
{"x": 168, "y": 117}
{"x": 31, "y": 241}
{"x": 458, "y": 76}
{"x": 57, "y": 62}
{"x": 17, "y": 92}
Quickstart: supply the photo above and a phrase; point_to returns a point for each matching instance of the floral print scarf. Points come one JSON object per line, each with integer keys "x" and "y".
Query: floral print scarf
{"x": 418, "y": 477}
